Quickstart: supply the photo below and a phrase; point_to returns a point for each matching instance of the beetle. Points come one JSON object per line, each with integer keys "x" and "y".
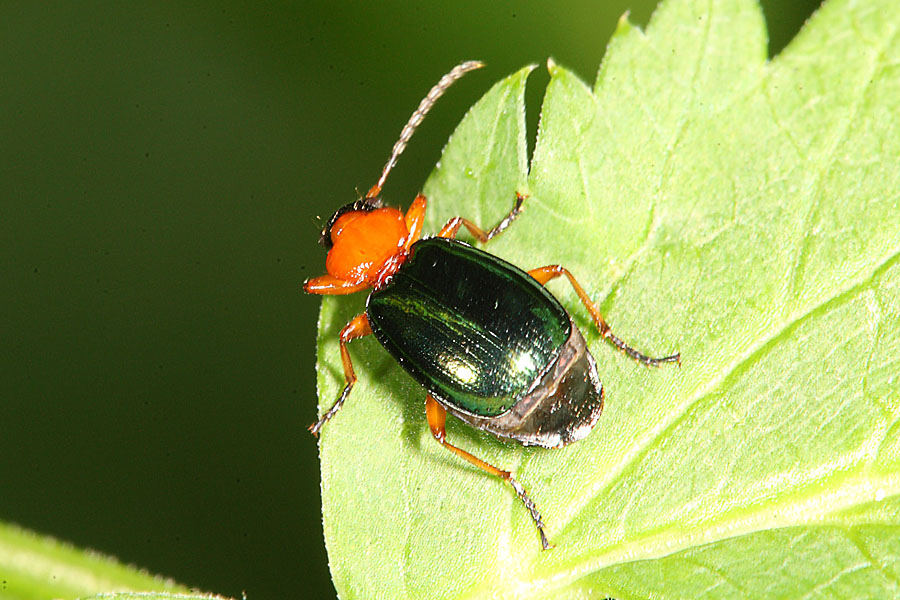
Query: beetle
{"x": 486, "y": 339}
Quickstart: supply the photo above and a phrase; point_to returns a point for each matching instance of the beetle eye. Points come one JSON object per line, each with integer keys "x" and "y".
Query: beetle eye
{"x": 363, "y": 204}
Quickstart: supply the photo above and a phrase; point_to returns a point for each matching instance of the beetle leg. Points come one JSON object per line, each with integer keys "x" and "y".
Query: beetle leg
{"x": 356, "y": 328}
{"x": 452, "y": 227}
{"x": 437, "y": 417}
{"x": 545, "y": 274}
{"x": 327, "y": 285}
{"x": 415, "y": 219}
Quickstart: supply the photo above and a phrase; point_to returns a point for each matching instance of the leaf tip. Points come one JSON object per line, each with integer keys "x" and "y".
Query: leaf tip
{"x": 624, "y": 25}
{"x": 552, "y": 67}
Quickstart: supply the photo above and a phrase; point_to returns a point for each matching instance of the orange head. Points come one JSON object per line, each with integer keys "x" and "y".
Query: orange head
{"x": 366, "y": 242}
{"x": 360, "y": 238}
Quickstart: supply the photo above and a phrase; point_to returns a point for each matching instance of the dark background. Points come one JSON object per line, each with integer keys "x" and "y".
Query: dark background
{"x": 162, "y": 174}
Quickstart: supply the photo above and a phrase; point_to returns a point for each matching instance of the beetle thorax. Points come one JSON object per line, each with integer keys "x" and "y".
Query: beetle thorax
{"x": 364, "y": 243}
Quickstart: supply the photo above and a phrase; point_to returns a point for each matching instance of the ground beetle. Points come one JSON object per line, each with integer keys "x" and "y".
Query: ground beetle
{"x": 487, "y": 341}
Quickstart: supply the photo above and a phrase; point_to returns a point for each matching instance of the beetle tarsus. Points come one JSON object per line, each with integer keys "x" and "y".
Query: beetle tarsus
{"x": 317, "y": 426}
{"x": 638, "y": 356}
{"x": 535, "y": 515}
{"x": 516, "y": 210}
{"x": 452, "y": 227}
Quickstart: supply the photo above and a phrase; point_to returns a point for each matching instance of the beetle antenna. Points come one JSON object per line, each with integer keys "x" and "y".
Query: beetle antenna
{"x": 416, "y": 119}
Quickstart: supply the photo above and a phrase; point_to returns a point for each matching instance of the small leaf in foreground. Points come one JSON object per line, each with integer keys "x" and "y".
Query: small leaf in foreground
{"x": 35, "y": 567}
{"x": 154, "y": 596}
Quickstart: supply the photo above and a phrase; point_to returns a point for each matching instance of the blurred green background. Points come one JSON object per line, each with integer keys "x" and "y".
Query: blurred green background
{"x": 163, "y": 171}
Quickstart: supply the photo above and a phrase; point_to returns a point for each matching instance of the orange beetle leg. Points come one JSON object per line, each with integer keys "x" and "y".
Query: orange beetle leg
{"x": 545, "y": 274}
{"x": 357, "y": 328}
{"x": 452, "y": 227}
{"x": 415, "y": 219}
{"x": 326, "y": 285}
{"x": 437, "y": 417}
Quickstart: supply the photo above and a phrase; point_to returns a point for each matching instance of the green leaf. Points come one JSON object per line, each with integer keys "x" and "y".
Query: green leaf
{"x": 154, "y": 596}
{"x": 34, "y": 567}
{"x": 742, "y": 211}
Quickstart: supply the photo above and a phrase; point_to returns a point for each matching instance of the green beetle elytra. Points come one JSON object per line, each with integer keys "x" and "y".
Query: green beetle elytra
{"x": 486, "y": 339}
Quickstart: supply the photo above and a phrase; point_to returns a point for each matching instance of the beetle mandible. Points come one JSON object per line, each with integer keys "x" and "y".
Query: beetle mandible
{"x": 486, "y": 340}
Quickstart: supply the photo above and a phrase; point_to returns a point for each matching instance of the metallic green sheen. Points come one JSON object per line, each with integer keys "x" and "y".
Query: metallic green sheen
{"x": 474, "y": 330}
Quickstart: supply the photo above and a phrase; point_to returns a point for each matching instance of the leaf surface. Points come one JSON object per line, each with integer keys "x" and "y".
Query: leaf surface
{"x": 34, "y": 567}
{"x": 744, "y": 212}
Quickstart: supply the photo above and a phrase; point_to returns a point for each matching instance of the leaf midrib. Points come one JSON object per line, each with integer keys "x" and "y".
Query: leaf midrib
{"x": 795, "y": 510}
{"x": 752, "y": 354}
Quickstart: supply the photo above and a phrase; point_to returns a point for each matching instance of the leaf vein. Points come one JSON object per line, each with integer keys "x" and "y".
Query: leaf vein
{"x": 752, "y": 355}
{"x": 850, "y": 534}
{"x": 668, "y": 157}
{"x": 802, "y": 245}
